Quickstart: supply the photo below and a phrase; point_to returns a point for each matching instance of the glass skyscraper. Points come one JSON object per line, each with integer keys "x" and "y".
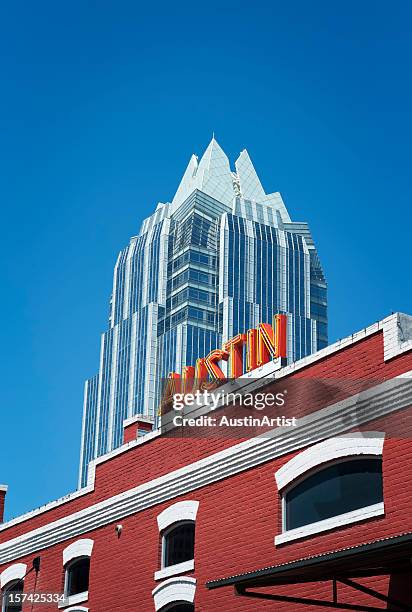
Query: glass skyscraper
{"x": 219, "y": 259}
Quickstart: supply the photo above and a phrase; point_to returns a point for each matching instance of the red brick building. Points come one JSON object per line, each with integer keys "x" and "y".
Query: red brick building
{"x": 295, "y": 518}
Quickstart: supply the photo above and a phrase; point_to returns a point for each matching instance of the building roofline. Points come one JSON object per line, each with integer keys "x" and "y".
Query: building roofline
{"x": 397, "y": 332}
{"x": 334, "y": 420}
{"x": 138, "y": 417}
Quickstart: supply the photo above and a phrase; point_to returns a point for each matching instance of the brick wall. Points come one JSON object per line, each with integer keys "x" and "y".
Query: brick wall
{"x": 238, "y": 516}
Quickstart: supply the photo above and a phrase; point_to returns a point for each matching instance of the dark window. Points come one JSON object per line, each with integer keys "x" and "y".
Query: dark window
{"x": 78, "y": 577}
{"x": 334, "y": 490}
{"x": 180, "y": 607}
{"x": 9, "y": 604}
{"x": 179, "y": 544}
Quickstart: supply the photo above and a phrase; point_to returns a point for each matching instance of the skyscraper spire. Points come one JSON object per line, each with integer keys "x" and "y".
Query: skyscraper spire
{"x": 214, "y": 175}
{"x": 195, "y": 276}
{"x": 187, "y": 183}
{"x": 211, "y": 175}
{"x": 250, "y": 185}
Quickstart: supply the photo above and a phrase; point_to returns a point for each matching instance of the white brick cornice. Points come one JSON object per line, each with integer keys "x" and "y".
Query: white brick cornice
{"x": 344, "y": 416}
{"x": 397, "y": 337}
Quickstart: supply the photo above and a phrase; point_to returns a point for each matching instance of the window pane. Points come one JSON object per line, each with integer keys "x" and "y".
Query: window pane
{"x": 179, "y": 544}
{"x": 183, "y": 607}
{"x": 9, "y": 606}
{"x": 78, "y": 577}
{"x": 337, "y": 489}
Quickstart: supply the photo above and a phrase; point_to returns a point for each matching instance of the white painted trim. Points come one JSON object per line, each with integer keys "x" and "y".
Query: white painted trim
{"x": 353, "y": 444}
{"x": 174, "y": 570}
{"x": 4, "y": 488}
{"x": 271, "y": 370}
{"x": 137, "y": 417}
{"x": 85, "y": 490}
{"x": 180, "y": 511}
{"x": 397, "y": 335}
{"x": 381, "y": 400}
{"x": 80, "y": 548}
{"x": 340, "y": 520}
{"x": 174, "y": 589}
{"x": 77, "y": 609}
{"x": 73, "y": 600}
{"x": 47, "y": 507}
{"x": 14, "y": 572}
{"x": 275, "y": 370}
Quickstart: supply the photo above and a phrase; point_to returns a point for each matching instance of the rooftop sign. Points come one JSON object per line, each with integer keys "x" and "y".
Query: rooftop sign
{"x": 243, "y": 353}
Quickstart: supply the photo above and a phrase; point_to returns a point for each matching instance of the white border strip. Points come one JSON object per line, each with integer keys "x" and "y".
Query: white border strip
{"x": 339, "y": 418}
{"x": 174, "y": 590}
{"x": 14, "y": 572}
{"x": 392, "y": 345}
{"x": 175, "y": 570}
{"x": 180, "y": 511}
{"x": 331, "y": 523}
{"x": 80, "y": 548}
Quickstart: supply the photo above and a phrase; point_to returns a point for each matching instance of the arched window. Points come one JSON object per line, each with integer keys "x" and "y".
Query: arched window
{"x": 11, "y": 603}
{"x": 178, "y": 543}
{"x": 77, "y": 576}
{"x": 177, "y": 532}
{"x": 331, "y": 484}
{"x": 76, "y": 561}
{"x": 336, "y": 489}
{"x": 175, "y": 595}
{"x": 12, "y": 584}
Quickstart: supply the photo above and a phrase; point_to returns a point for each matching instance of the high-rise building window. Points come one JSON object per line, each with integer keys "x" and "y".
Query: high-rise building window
{"x": 220, "y": 258}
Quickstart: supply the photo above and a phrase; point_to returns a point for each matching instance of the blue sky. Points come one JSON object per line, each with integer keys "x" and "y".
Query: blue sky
{"x": 102, "y": 104}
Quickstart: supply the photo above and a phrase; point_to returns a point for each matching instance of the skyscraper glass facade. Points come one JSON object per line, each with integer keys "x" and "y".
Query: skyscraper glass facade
{"x": 219, "y": 259}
